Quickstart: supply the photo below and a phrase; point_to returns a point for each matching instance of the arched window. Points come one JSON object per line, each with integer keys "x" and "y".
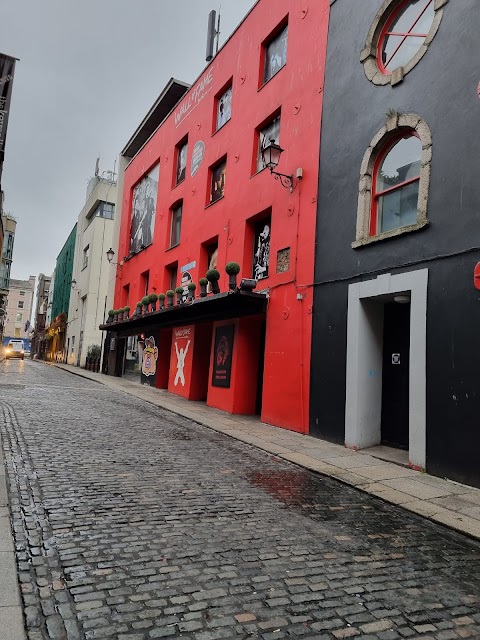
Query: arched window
{"x": 395, "y": 184}
{"x": 394, "y": 180}
{"x": 399, "y": 37}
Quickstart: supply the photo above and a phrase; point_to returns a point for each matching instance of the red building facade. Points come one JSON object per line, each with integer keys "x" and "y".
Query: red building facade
{"x": 196, "y": 196}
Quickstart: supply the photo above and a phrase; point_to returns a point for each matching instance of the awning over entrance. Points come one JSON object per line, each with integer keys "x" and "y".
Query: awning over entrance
{"x": 222, "y": 306}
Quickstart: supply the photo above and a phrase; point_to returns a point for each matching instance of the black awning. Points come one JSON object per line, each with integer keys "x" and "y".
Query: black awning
{"x": 222, "y": 306}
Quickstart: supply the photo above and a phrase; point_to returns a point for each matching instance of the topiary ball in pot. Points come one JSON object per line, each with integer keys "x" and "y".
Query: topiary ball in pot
{"x": 179, "y": 292}
{"x": 213, "y": 276}
{"x": 233, "y": 269}
{"x": 203, "y": 282}
{"x": 170, "y": 294}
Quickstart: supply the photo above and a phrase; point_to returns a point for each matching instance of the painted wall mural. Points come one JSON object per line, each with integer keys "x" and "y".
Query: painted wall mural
{"x": 143, "y": 211}
{"x": 149, "y": 361}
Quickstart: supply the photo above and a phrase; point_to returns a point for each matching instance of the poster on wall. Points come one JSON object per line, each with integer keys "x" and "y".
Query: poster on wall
{"x": 197, "y": 157}
{"x": 222, "y": 356}
{"x": 143, "y": 211}
{"x": 149, "y": 361}
{"x": 187, "y": 270}
{"x": 261, "y": 255}
{"x": 182, "y": 347}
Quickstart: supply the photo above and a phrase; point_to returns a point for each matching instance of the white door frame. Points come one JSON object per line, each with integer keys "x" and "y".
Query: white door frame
{"x": 364, "y": 361}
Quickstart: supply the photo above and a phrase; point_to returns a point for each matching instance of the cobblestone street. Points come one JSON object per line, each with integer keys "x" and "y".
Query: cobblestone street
{"x": 133, "y": 523}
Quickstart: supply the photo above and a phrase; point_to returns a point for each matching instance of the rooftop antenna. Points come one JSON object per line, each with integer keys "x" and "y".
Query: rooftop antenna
{"x": 213, "y": 33}
{"x": 97, "y": 167}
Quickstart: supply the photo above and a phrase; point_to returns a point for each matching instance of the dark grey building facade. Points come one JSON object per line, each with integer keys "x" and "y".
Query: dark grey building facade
{"x": 395, "y": 352}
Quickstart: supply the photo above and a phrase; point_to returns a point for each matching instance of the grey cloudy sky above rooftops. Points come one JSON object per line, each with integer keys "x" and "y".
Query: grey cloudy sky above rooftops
{"x": 88, "y": 73}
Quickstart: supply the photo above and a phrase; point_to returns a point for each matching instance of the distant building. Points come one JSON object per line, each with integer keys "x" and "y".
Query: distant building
{"x": 48, "y": 313}
{"x": 61, "y": 299}
{"x": 91, "y": 270}
{"x": 19, "y": 308}
{"x": 39, "y": 315}
{"x": 9, "y": 225}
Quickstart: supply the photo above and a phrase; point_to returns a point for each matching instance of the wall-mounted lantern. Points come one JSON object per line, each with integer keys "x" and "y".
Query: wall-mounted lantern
{"x": 271, "y": 153}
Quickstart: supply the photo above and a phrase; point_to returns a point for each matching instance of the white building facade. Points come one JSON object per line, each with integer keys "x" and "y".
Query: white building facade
{"x": 91, "y": 270}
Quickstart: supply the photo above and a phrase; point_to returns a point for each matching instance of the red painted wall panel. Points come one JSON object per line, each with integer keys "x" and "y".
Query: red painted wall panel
{"x": 296, "y": 90}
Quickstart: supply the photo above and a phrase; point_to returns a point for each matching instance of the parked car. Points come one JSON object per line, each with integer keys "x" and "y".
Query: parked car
{"x": 15, "y": 349}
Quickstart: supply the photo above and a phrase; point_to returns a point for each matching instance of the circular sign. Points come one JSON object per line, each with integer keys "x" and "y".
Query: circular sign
{"x": 197, "y": 156}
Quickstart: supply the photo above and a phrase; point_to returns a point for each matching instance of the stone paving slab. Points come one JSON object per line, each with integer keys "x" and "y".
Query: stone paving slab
{"x": 412, "y": 490}
{"x": 11, "y": 623}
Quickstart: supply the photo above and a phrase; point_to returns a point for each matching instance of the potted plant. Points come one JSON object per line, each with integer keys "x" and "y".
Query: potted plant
{"x": 138, "y": 308}
{"x": 145, "y": 303}
{"x": 191, "y": 286}
{"x": 161, "y": 297}
{"x": 179, "y": 292}
{"x": 126, "y": 311}
{"x": 152, "y": 298}
{"x": 233, "y": 269}
{"x": 203, "y": 287}
{"x": 111, "y": 313}
{"x": 115, "y": 315}
{"x": 213, "y": 276}
{"x": 170, "y": 294}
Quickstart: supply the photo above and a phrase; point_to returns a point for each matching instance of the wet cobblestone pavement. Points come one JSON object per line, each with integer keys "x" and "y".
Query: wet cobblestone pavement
{"x": 133, "y": 523}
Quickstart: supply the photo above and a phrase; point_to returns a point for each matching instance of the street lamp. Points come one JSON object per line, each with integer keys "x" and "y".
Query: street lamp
{"x": 271, "y": 153}
{"x": 110, "y": 254}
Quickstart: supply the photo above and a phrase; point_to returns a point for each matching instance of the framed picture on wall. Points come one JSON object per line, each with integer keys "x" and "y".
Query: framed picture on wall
{"x": 222, "y": 356}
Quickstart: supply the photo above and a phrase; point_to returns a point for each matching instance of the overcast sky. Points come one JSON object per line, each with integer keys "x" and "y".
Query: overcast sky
{"x": 89, "y": 71}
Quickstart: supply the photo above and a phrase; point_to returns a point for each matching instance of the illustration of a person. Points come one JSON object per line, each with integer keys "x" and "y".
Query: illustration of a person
{"x": 181, "y": 355}
{"x": 182, "y": 164}
{"x": 262, "y": 254}
{"x": 150, "y": 355}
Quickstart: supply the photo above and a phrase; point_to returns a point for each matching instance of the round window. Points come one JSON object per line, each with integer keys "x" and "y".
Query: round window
{"x": 404, "y": 33}
{"x": 399, "y": 37}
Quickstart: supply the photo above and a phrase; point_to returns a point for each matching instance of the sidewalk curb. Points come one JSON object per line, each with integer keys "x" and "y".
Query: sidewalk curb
{"x": 448, "y": 518}
{"x": 12, "y": 624}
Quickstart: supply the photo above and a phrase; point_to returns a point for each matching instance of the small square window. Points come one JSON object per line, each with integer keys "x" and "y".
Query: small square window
{"x": 275, "y": 54}
{"x": 176, "y": 226}
{"x": 182, "y": 150}
{"x": 22, "y": 293}
{"x": 19, "y": 317}
{"x": 271, "y": 132}
{"x": 224, "y": 108}
{"x": 20, "y": 304}
{"x": 217, "y": 189}
{"x": 261, "y": 248}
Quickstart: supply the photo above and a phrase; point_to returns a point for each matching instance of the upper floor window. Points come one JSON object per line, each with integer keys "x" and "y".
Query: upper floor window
{"x": 224, "y": 108}
{"x": 85, "y": 256}
{"x": 217, "y": 188}
{"x": 395, "y": 184}
{"x": 22, "y": 293}
{"x": 269, "y": 133}
{"x": 176, "y": 225}
{"x": 19, "y": 317}
{"x": 275, "y": 54}
{"x": 394, "y": 180}
{"x": 103, "y": 210}
{"x": 182, "y": 150}
{"x": 399, "y": 37}
{"x": 404, "y": 33}
{"x": 20, "y": 304}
